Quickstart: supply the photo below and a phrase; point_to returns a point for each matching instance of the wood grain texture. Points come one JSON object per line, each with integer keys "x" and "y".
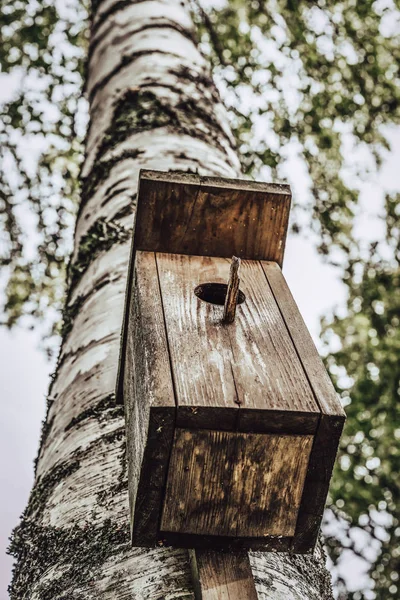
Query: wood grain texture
{"x": 319, "y": 473}
{"x": 222, "y": 575}
{"x": 247, "y": 367}
{"x": 232, "y": 292}
{"x": 317, "y": 374}
{"x": 210, "y": 216}
{"x": 149, "y": 402}
{"x": 120, "y": 381}
{"x": 251, "y": 385}
{"x": 200, "y": 349}
{"x": 235, "y": 484}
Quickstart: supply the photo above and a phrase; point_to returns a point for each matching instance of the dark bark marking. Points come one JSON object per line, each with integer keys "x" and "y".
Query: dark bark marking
{"x": 76, "y": 354}
{"x": 99, "y": 173}
{"x": 46, "y": 484}
{"x": 72, "y": 310}
{"x": 124, "y": 62}
{"x": 138, "y": 111}
{"x": 47, "y": 424}
{"x": 111, "y": 196}
{"x": 125, "y": 211}
{"x": 161, "y": 24}
{"x": 117, "y": 7}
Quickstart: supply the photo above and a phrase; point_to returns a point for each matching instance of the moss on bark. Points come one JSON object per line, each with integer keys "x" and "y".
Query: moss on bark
{"x": 100, "y": 172}
{"x": 77, "y": 552}
{"x": 100, "y": 238}
{"x": 104, "y": 409}
{"x": 143, "y": 110}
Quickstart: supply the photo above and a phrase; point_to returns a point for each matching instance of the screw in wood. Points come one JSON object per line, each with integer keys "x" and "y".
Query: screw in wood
{"x": 232, "y": 293}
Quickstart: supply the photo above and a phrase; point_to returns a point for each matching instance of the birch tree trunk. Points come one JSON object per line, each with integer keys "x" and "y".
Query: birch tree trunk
{"x": 152, "y": 105}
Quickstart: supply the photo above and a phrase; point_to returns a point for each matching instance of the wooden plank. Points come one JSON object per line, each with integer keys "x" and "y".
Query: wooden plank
{"x": 227, "y": 543}
{"x": 249, "y": 365}
{"x": 119, "y": 384}
{"x": 149, "y": 402}
{"x": 250, "y": 421}
{"x": 222, "y": 575}
{"x": 267, "y": 370}
{"x": 234, "y": 484}
{"x": 199, "y": 345}
{"x": 319, "y": 473}
{"x": 317, "y": 374}
{"x": 188, "y": 214}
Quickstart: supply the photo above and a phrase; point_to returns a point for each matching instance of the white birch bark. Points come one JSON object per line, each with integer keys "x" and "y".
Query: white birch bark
{"x": 153, "y": 105}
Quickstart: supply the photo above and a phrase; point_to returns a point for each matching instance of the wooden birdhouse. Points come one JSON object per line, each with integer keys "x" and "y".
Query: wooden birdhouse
{"x": 232, "y": 427}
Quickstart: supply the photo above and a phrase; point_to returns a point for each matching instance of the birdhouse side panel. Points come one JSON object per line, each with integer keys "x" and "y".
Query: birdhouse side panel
{"x": 318, "y": 478}
{"x": 149, "y": 402}
{"x": 319, "y": 379}
{"x": 332, "y": 419}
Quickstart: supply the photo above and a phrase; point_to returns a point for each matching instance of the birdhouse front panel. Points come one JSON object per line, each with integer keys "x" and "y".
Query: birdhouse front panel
{"x": 232, "y": 427}
{"x": 235, "y": 484}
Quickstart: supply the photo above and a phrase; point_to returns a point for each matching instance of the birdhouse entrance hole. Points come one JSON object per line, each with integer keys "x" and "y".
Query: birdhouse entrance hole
{"x": 215, "y": 293}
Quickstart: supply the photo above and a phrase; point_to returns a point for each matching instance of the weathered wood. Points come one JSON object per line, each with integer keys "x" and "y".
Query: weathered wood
{"x": 222, "y": 575}
{"x": 232, "y": 293}
{"x": 235, "y": 484}
{"x": 319, "y": 473}
{"x": 332, "y": 420}
{"x": 247, "y": 367}
{"x": 150, "y": 402}
{"x": 210, "y": 216}
{"x": 247, "y": 421}
{"x": 225, "y": 543}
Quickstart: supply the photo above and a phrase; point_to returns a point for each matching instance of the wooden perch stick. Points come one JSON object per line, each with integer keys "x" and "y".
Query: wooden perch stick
{"x": 222, "y": 575}
{"x": 232, "y": 293}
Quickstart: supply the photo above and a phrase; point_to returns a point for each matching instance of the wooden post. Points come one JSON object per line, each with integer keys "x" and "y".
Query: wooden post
{"x": 222, "y": 575}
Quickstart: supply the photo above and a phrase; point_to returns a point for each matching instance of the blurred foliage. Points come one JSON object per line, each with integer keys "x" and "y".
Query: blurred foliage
{"x": 309, "y": 82}
{"x": 366, "y": 370}
{"x": 42, "y": 56}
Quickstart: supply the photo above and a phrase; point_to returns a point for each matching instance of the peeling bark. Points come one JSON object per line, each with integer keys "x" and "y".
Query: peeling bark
{"x": 154, "y": 106}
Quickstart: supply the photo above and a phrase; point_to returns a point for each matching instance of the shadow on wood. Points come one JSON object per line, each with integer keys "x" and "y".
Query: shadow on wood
{"x": 222, "y": 575}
